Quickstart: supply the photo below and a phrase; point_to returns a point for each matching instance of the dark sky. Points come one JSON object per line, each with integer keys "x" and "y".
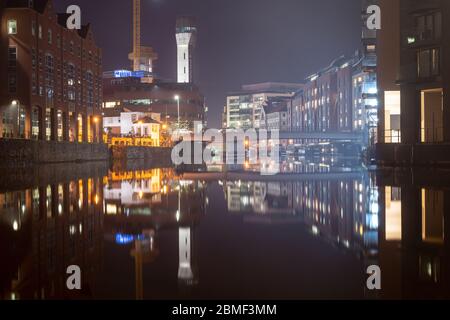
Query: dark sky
{"x": 239, "y": 41}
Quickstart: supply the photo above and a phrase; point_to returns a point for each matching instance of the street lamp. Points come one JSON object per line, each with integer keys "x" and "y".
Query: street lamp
{"x": 15, "y": 103}
{"x": 177, "y": 98}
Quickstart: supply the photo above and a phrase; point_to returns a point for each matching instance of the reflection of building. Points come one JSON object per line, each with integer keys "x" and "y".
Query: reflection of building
{"x": 414, "y": 247}
{"x": 341, "y": 209}
{"x": 62, "y": 225}
{"x": 185, "y": 272}
{"x": 260, "y": 198}
{"x": 133, "y": 204}
{"x": 137, "y": 196}
{"x": 49, "y": 84}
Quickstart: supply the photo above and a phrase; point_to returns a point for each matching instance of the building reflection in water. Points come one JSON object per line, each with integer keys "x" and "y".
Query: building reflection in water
{"x": 414, "y": 250}
{"x": 139, "y": 205}
{"x": 395, "y": 220}
{"x": 341, "y": 208}
{"x": 44, "y": 230}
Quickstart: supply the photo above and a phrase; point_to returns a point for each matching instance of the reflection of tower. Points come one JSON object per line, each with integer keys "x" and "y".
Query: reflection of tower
{"x": 186, "y": 34}
{"x": 144, "y": 252}
{"x": 185, "y": 273}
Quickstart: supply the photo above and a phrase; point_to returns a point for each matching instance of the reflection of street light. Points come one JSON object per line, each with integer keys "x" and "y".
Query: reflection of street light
{"x": 177, "y": 98}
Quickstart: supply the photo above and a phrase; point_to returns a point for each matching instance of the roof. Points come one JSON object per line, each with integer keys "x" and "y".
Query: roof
{"x": 38, "y": 5}
{"x": 268, "y": 87}
{"x": 146, "y": 120}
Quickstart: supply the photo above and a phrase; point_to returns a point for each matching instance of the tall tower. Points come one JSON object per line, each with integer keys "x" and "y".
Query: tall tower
{"x": 186, "y": 34}
{"x": 142, "y": 57}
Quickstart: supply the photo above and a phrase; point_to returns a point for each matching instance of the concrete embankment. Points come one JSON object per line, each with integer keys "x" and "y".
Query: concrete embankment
{"x": 17, "y": 153}
{"x": 22, "y": 153}
{"x": 150, "y": 155}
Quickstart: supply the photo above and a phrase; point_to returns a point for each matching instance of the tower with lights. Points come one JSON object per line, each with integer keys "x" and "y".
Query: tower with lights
{"x": 186, "y": 35}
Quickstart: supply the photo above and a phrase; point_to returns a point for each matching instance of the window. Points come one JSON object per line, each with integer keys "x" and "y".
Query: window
{"x": 428, "y": 63}
{"x": 12, "y": 27}
{"x": 12, "y": 83}
{"x": 50, "y": 36}
{"x": 429, "y": 26}
{"x": 33, "y": 28}
{"x": 40, "y": 32}
{"x": 33, "y": 58}
{"x": 12, "y": 57}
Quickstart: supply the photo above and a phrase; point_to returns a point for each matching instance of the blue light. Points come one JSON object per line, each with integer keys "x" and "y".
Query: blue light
{"x": 124, "y": 238}
{"x": 129, "y": 74}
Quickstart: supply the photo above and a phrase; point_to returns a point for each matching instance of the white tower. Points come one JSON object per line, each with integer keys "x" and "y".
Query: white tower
{"x": 186, "y": 34}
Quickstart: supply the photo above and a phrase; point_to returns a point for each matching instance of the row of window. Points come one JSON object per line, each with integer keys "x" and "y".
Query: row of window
{"x": 12, "y": 30}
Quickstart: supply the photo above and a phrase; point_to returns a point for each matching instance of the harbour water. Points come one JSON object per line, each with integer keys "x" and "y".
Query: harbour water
{"x": 310, "y": 232}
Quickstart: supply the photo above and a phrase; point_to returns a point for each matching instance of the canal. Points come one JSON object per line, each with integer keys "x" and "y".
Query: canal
{"x": 140, "y": 232}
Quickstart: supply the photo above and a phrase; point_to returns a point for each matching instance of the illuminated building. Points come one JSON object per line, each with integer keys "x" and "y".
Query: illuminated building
{"x": 51, "y": 88}
{"x": 275, "y": 114}
{"x": 124, "y": 89}
{"x": 244, "y": 109}
{"x": 186, "y": 35}
{"x": 415, "y": 114}
{"x": 388, "y": 47}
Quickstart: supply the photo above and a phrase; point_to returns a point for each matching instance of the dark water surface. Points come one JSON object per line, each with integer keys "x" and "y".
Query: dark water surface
{"x": 309, "y": 233}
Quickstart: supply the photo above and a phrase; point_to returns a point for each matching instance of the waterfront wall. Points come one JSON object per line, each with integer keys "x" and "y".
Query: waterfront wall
{"x": 18, "y": 152}
{"x": 150, "y": 155}
{"x": 403, "y": 155}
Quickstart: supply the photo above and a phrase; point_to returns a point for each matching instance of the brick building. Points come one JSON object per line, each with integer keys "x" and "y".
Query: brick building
{"x": 50, "y": 79}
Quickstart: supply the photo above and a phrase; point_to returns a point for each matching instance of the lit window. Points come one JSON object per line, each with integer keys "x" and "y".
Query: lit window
{"x": 12, "y": 27}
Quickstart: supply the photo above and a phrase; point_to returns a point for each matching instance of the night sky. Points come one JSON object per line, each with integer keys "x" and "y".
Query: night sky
{"x": 239, "y": 41}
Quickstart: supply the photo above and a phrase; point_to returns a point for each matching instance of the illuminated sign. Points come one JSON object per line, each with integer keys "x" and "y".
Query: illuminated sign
{"x": 129, "y": 74}
{"x": 122, "y": 74}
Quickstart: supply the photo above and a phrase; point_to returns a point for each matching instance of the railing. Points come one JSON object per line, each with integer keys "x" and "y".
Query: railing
{"x": 392, "y": 136}
{"x": 427, "y": 135}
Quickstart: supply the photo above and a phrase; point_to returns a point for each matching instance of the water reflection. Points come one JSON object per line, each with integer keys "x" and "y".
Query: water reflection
{"x": 44, "y": 230}
{"x": 154, "y": 234}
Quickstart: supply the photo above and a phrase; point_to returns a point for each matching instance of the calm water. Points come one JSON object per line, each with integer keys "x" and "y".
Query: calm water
{"x": 308, "y": 233}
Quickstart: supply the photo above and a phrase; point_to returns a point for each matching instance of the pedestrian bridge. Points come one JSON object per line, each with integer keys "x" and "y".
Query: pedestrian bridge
{"x": 333, "y": 136}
